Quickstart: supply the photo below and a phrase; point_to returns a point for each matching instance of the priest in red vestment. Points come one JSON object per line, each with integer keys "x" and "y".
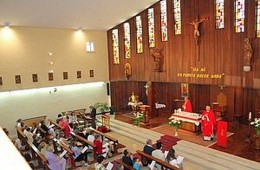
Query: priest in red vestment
{"x": 208, "y": 124}
{"x": 187, "y": 105}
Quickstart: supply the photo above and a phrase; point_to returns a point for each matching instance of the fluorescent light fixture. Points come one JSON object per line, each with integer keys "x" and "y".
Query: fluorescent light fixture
{"x": 50, "y": 89}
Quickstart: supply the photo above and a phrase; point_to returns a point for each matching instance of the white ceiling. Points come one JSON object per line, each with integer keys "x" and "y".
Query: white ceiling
{"x": 72, "y": 14}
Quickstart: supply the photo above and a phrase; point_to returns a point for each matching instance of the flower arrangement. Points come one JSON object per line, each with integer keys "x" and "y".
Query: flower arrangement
{"x": 138, "y": 117}
{"x": 176, "y": 123}
{"x": 256, "y": 124}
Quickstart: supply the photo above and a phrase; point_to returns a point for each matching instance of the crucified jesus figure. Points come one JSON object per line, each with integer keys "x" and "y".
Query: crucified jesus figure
{"x": 196, "y": 24}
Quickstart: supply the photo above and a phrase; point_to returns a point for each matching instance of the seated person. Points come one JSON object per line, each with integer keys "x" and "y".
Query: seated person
{"x": 55, "y": 162}
{"x": 91, "y": 138}
{"x": 127, "y": 158}
{"x": 145, "y": 165}
{"x": 172, "y": 159}
{"x": 62, "y": 138}
{"x": 64, "y": 124}
{"x": 100, "y": 150}
{"x": 137, "y": 164}
{"x": 19, "y": 123}
{"x": 44, "y": 128}
{"x": 99, "y": 165}
{"x": 77, "y": 155}
{"x": 37, "y": 140}
{"x": 27, "y": 132}
{"x": 158, "y": 153}
{"x": 148, "y": 148}
{"x": 42, "y": 147}
{"x": 73, "y": 120}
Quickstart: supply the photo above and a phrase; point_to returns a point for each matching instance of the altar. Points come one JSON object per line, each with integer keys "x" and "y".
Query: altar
{"x": 135, "y": 105}
{"x": 190, "y": 121}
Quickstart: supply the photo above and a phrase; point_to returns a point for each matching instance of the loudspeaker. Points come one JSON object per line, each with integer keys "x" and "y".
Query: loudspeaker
{"x": 108, "y": 89}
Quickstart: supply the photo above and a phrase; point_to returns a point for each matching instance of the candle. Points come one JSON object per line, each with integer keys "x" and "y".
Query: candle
{"x": 249, "y": 116}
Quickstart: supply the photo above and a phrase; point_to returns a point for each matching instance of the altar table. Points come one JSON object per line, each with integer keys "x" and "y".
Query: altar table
{"x": 190, "y": 121}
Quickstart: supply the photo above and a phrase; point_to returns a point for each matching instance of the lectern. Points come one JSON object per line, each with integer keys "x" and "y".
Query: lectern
{"x": 146, "y": 110}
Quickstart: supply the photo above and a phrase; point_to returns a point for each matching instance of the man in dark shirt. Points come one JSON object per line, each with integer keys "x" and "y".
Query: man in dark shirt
{"x": 93, "y": 112}
{"x": 127, "y": 158}
{"x": 148, "y": 148}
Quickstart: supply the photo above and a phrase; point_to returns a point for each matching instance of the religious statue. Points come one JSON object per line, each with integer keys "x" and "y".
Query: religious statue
{"x": 128, "y": 71}
{"x": 248, "y": 53}
{"x": 133, "y": 98}
{"x": 134, "y": 102}
{"x": 196, "y": 24}
{"x": 158, "y": 59}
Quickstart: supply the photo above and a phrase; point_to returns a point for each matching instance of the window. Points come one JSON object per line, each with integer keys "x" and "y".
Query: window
{"x": 258, "y": 19}
{"x": 127, "y": 39}
{"x": 115, "y": 46}
{"x": 90, "y": 47}
{"x": 139, "y": 34}
{"x": 177, "y": 16}
{"x": 220, "y": 14}
{"x": 164, "y": 20}
{"x": 239, "y": 15}
{"x": 151, "y": 27}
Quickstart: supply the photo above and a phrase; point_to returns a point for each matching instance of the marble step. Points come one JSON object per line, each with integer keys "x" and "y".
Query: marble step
{"x": 214, "y": 158}
{"x": 134, "y": 129}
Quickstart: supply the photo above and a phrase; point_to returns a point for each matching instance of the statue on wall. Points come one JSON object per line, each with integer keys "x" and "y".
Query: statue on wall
{"x": 248, "y": 53}
{"x": 158, "y": 59}
{"x": 196, "y": 24}
{"x": 128, "y": 71}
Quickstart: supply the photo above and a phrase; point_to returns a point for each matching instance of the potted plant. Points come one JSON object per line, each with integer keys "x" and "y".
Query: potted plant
{"x": 256, "y": 138}
{"x": 102, "y": 107}
{"x": 176, "y": 123}
{"x": 138, "y": 117}
{"x": 256, "y": 124}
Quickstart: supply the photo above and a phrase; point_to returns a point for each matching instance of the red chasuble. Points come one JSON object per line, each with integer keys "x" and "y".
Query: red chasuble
{"x": 208, "y": 123}
{"x": 187, "y": 106}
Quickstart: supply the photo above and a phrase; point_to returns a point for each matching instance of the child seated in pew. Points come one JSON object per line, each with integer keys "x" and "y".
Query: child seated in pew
{"x": 137, "y": 164}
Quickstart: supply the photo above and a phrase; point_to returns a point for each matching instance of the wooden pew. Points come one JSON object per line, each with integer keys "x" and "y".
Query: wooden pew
{"x": 56, "y": 124}
{"x": 65, "y": 147}
{"x": 31, "y": 122}
{"x": 21, "y": 136}
{"x": 86, "y": 142}
{"x": 164, "y": 164}
{"x": 110, "y": 138}
{"x": 39, "y": 156}
{"x": 119, "y": 161}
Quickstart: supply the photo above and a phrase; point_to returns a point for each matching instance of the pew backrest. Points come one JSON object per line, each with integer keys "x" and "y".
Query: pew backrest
{"x": 56, "y": 124}
{"x": 41, "y": 158}
{"x": 34, "y": 120}
{"x": 164, "y": 164}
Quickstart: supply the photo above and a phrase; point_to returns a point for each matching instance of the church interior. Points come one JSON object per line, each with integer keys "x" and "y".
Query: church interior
{"x": 179, "y": 74}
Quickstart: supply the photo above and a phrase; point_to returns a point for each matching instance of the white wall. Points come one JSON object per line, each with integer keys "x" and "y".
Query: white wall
{"x": 36, "y": 102}
{"x": 25, "y": 51}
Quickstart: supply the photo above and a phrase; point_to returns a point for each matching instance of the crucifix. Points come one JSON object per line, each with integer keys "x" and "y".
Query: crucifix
{"x": 196, "y": 24}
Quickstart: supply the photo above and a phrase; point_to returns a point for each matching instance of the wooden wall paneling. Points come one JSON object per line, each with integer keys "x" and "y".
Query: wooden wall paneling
{"x": 220, "y": 51}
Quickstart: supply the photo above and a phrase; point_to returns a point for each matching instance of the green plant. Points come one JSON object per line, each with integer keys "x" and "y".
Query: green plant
{"x": 138, "y": 117}
{"x": 176, "y": 123}
{"x": 102, "y": 107}
{"x": 256, "y": 124}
